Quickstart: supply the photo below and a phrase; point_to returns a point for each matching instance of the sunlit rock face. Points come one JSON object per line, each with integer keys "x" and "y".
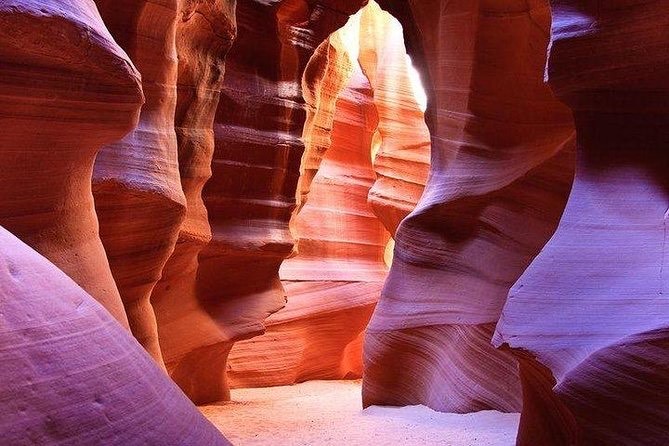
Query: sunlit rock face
{"x": 336, "y": 277}
{"x": 209, "y": 298}
{"x": 72, "y": 374}
{"x": 501, "y": 168}
{"x": 589, "y": 318}
{"x": 402, "y": 157}
{"x": 66, "y": 89}
{"x": 138, "y": 196}
{"x": 204, "y": 35}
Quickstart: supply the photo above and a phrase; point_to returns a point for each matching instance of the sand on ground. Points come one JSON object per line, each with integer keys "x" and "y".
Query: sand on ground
{"x": 319, "y": 413}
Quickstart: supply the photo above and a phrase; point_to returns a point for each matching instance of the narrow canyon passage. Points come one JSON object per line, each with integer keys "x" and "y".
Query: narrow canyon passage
{"x": 334, "y": 222}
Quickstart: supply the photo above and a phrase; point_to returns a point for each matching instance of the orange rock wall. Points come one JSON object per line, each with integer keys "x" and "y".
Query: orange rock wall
{"x": 500, "y": 173}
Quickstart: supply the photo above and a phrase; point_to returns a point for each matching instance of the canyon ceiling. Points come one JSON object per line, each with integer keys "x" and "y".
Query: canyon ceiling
{"x": 464, "y": 203}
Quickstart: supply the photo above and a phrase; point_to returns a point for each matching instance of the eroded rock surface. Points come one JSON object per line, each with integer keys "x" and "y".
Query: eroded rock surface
{"x": 204, "y": 35}
{"x": 588, "y": 319}
{"x": 402, "y": 155}
{"x": 500, "y": 174}
{"x": 66, "y": 89}
{"x": 232, "y": 285}
{"x": 138, "y": 196}
{"x": 335, "y": 279}
{"x": 72, "y": 375}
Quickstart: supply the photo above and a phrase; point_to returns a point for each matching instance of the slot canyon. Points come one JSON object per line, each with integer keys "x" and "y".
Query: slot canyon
{"x": 334, "y": 222}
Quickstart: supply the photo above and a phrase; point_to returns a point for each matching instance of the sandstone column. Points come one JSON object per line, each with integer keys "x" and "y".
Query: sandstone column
{"x": 138, "y": 196}
{"x": 498, "y": 182}
{"x": 66, "y": 89}
{"x": 589, "y": 319}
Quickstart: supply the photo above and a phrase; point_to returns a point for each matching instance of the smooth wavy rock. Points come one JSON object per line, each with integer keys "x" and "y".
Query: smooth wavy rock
{"x": 589, "y": 319}
{"x": 72, "y": 375}
{"x": 334, "y": 281}
{"x": 325, "y": 76}
{"x": 500, "y": 173}
{"x": 66, "y": 89}
{"x": 138, "y": 196}
{"x": 233, "y": 286}
{"x": 204, "y": 35}
{"x": 402, "y": 158}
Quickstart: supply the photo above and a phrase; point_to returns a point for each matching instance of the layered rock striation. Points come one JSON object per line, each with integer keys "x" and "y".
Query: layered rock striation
{"x": 334, "y": 280}
{"x": 66, "y": 90}
{"x": 402, "y": 152}
{"x": 588, "y": 319}
{"x": 205, "y": 32}
{"x": 72, "y": 374}
{"x": 501, "y": 168}
{"x": 138, "y": 195}
{"x": 232, "y": 284}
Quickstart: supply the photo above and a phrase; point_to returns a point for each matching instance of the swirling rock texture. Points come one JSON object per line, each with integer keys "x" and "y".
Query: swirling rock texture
{"x": 595, "y": 369}
{"x": 334, "y": 281}
{"x": 204, "y": 35}
{"x": 72, "y": 374}
{"x": 66, "y": 89}
{"x": 325, "y": 76}
{"x": 403, "y": 158}
{"x": 233, "y": 285}
{"x": 138, "y": 196}
{"x": 501, "y": 169}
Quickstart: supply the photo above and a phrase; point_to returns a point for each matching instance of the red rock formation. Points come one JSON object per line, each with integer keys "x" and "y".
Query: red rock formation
{"x": 325, "y": 76}
{"x": 403, "y": 157}
{"x": 589, "y": 318}
{"x": 66, "y": 89}
{"x": 498, "y": 183}
{"x": 250, "y": 197}
{"x": 334, "y": 281}
{"x": 138, "y": 196}
{"x": 72, "y": 374}
{"x": 204, "y": 36}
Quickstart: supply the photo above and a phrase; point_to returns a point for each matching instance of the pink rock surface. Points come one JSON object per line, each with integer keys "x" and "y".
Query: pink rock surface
{"x": 138, "y": 196}
{"x": 588, "y": 319}
{"x": 204, "y": 35}
{"x": 66, "y": 89}
{"x": 499, "y": 179}
{"x": 72, "y": 375}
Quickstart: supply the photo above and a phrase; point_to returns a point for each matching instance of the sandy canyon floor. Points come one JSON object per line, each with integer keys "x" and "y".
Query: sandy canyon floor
{"x": 329, "y": 413}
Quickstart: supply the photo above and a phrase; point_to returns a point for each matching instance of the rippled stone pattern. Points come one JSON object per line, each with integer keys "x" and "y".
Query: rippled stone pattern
{"x": 204, "y": 35}
{"x": 500, "y": 173}
{"x": 589, "y": 318}
{"x": 72, "y": 374}
{"x": 66, "y": 89}
{"x": 138, "y": 196}
{"x": 335, "y": 279}
{"x": 222, "y": 281}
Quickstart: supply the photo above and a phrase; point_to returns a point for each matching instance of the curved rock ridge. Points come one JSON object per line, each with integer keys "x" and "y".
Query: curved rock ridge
{"x": 501, "y": 168}
{"x": 315, "y": 337}
{"x": 66, "y": 89}
{"x": 335, "y": 279}
{"x": 205, "y": 32}
{"x": 232, "y": 285}
{"x": 73, "y": 375}
{"x": 403, "y": 158}
{"x": 325, "y": 76}
{"x": 138, "y": 196}
{"x": 594, "y": 371}
{"x": 339, "y": 237}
